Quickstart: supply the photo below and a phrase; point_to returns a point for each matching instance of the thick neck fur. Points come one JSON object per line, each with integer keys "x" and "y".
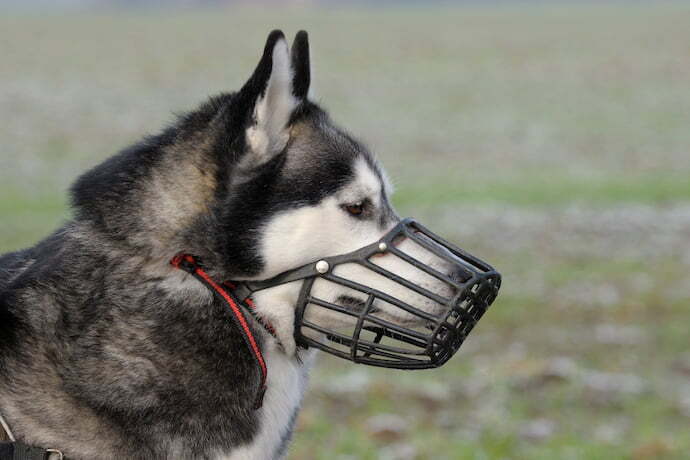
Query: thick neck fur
{"x": 156, "y": 197}
{"x": 109, "y": 359}
{"x": 189, "y": 190}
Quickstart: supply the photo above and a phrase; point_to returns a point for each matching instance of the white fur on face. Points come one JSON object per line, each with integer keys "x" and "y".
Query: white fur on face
{"x": 303, "y": 235}
{"x": 299, "y": 236}
{"x": 272, "y": 111}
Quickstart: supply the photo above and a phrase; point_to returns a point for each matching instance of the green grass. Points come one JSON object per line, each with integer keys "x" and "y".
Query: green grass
{"x": 529, "y": 119}
{"x": 540, "y": 190}
{"x": 29, "y": 218}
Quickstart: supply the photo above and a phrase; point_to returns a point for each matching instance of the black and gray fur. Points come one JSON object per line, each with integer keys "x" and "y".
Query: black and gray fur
{"x": 99, "y": 357}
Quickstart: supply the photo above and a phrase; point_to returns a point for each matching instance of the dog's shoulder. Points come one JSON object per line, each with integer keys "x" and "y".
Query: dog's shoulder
{"x": 12, "y": 264}
{"x": 21, "y": 272}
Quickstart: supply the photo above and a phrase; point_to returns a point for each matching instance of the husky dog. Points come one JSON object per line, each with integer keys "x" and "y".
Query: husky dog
{"x": 107, "y": 351}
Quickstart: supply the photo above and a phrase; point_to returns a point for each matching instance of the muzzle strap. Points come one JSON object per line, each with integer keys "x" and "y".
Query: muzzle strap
{"x": 189, "y": 264}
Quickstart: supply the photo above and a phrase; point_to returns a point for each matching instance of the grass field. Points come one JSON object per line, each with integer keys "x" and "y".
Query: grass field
{"x": 554, "y": 141}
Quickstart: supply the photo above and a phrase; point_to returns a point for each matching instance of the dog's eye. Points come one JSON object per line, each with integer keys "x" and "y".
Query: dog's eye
{"x": 355, "y": 209}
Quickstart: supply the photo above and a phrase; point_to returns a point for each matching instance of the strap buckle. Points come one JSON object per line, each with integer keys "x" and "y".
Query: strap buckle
{"x": 17, "y": 450}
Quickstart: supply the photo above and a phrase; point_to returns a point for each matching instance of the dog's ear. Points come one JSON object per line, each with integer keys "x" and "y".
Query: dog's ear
{"x": 279, "y": 84}
{"x": 271, "y": 86}
{"x": 299, "y": 56}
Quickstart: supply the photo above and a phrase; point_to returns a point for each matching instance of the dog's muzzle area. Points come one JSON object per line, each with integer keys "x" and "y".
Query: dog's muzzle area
{"x": 407, "y": 301}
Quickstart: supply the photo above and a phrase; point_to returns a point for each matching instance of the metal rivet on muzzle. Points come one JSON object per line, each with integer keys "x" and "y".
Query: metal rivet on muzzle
{"x": 382, "y": 246}
{"x": 322, "y": 266}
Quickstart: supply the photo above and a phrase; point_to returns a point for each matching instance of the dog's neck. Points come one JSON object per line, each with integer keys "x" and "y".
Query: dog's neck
{"x": 137, "y": 336}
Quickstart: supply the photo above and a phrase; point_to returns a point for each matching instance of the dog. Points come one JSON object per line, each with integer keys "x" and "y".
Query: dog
{"x": 109, "y": 351}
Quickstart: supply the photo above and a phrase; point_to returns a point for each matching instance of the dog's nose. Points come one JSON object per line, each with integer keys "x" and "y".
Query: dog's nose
{"x": 459, "y": 275}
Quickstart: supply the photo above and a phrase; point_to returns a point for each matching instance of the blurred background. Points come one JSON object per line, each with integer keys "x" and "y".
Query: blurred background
{"x": 551, "y": 139}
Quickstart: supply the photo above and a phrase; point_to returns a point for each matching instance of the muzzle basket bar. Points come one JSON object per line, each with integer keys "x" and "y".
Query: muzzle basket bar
{"x": 374, "y": 338}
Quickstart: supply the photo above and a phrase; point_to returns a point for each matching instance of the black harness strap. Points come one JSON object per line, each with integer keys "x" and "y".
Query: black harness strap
{"x": 11, "y": 449}
{"x": 21, "y": 451}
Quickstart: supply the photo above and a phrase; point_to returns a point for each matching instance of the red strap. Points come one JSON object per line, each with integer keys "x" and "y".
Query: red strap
{"x": 252, "y": 306}
{"x": 189, "y": 264}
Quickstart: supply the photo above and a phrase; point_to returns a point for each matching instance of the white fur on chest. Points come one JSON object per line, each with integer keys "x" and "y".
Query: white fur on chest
{"x": 286, "y": 383}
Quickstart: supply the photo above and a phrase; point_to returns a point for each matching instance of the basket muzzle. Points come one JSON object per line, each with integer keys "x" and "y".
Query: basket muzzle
{"x": 383, "y": 329}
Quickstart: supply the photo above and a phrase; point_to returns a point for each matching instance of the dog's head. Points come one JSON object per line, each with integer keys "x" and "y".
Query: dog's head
{"x": 257, "y": 183}
{"x": 315, "y": 192}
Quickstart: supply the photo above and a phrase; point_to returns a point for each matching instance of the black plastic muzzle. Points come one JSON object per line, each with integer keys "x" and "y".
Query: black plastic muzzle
{"x": 384, "y": 330}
